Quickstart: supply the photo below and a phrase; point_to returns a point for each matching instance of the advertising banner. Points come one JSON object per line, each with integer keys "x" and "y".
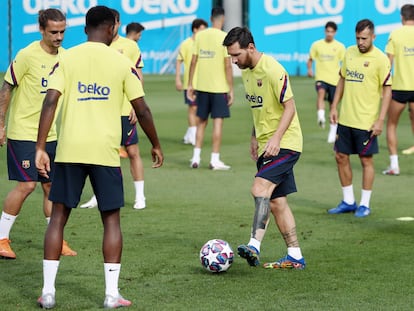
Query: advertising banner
{"x": 287, "y": 28}
{"x": 4, "y": 37}
{"x": 167, "y": 23}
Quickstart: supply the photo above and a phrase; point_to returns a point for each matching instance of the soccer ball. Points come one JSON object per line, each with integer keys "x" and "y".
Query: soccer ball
{"x": 216, "y": 256}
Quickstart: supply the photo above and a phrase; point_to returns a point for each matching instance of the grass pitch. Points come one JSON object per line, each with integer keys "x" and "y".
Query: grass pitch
{"x": 352, "y": 264}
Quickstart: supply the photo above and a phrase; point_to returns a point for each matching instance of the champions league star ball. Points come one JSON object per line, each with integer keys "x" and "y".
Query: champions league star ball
{"x": 216, "y": 256}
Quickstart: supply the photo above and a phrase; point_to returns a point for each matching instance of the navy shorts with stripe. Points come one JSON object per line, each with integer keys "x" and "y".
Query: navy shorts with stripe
{"x": 403, "y": 97}
{"x": 70, "y": 180}
{"x": 329, "y": 90}
{"x": 279, "y": 170}
{"x": 188, "y": 101}
{"x": 355, "y": 141}
{"x": 129, "y": 132}
{"x": 214, "y": 104}
{"x": 21, "y": 164}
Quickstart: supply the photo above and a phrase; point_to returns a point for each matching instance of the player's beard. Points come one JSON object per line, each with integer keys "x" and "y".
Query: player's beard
{"x": 362, "y": 49}
{"x": 246, "y": 64}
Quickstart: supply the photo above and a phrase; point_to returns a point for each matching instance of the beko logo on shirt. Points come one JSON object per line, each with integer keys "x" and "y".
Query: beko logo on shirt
{"x": 408, "y": 50}
{"x": 254, "y": 98}
{"x": 93, "y": 90}
{"x": 43, "y": 83}
{"x": 206, "y": 54}
{"x": 353, "y": 75}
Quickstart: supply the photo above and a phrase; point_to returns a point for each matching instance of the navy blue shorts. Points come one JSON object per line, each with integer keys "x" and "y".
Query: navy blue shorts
{"x": 279, "y": 170}
{"x": 21, "y": 160}
{"x": 70, "y": 179}
{"x": 212, "y": 103}
{"x": 188, "y": 101}
{"x": 329, "y": 90}
{"x": 403, "y": 97}
{"x": 129, "y": 132}
{"x": 355, "y": 141}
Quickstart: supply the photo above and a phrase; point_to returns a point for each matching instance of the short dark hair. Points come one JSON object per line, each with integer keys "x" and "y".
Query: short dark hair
{"x": 407, "y": 12}
{"x": 99, "y": 15}
{"x": 242, "y": 35}
{"x": 135, "y": 27}
{"x": 50, "y": 15}
{"x": 216, "y": 12}
{"x": 197, "y": 23}
{"x": 116, "y": 14}
{"x": 364, "y": 23}
{"x": 332, "y": 25}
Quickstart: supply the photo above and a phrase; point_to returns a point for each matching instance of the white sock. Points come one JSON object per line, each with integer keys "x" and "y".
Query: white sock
{"x": 348, "y": 193}
{"x": 321, "y": 114}
{"x": 139, "y": 190}
{"x": 50, "y": 269}
{"x": 333, "y": 127}
{"x": 255, "y": 243}
{"x": 215, "y": 157}
{"x": 6, "y": 223}
{"x": 196, "y": 154}
{"x": 187, "y": 134}
{"x": 365, "y": 197}
{"x": 112, "y": 271}
{"x": 47, "y": 220}
{"x": 192, "y": 132}
{"x": 295, "y": 252}
{"x": 394, "y": 161}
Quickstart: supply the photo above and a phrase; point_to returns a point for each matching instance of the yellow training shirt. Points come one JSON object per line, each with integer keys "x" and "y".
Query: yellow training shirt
{"x": 93, "y": 79}
{"x": 327, "y": 57}
{"x": 29, "y": 73}
{"x": 208, "y": 46}
{"x": 185, "y": 54}
{"x": 401, "y": 45}
{"x": 130, "y": 49}
{"x": 365, "y": 74}
{"x": 267, "y": 86}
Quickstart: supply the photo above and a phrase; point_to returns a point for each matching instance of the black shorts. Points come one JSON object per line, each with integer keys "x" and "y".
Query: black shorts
{"x": 70, "y": 179}
{"x": 21, "y": 164}
{"x": 188, "y": 101}
{"x": 129, "y": 132}
{"x": 212, "y": 103}
{"x": 403, "y": 97}
{"x": 355, "y": 141}
{"x": 329, "y": 90}
{"x": 279, "y": 170}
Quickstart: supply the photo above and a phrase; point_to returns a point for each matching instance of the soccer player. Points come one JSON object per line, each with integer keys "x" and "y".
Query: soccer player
{"x": 130, "y": 49}
{"x": 23, "y": 89}
{"x": 365, "y": 90}
{"x": 134, "y": 31}
{"x": 214, "y": 87}
{"x": 327, "y": 54}
{"x": 400, "y": 51}
{"x": 93, "y": 80}
{"x": 276, "y": 144}
{"x": 184, "y": 56}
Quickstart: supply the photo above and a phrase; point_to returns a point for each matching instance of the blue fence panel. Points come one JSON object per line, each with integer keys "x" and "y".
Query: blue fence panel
{"x": 287, "y": 28}
{"x": 4, "y": 37}
{"x": 167, "y": 23}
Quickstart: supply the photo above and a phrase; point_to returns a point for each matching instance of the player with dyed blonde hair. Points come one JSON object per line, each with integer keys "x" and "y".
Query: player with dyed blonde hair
{"x": 23, "y": 90}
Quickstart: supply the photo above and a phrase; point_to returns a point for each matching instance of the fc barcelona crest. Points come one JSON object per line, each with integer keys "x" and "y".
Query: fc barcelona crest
{"x": 26, "y": 164}
{"x": 259, "y": 83}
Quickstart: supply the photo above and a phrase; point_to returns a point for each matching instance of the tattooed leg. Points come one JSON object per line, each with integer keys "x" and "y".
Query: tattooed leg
{"x": 261, "y": 218}
{"x": 290, "y": 237}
